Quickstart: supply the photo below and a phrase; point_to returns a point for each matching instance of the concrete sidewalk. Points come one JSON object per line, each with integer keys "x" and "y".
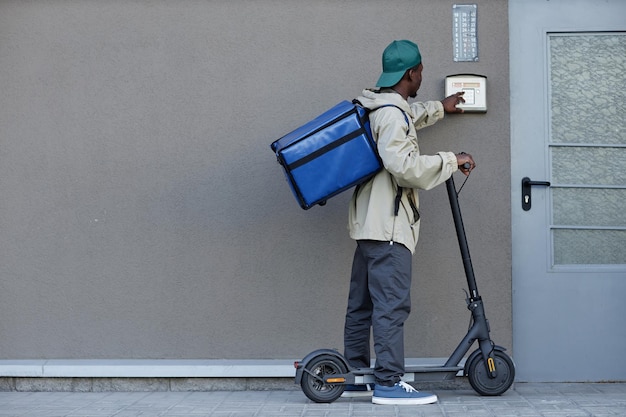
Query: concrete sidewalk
{"x": 524, "y": 399}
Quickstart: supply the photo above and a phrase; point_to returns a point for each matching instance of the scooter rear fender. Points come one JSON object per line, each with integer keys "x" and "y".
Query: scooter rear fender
{"x": 308, "y": 358}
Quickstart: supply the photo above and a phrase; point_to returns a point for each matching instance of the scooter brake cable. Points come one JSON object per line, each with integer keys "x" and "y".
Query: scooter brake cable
{"x": 463, "y": 185}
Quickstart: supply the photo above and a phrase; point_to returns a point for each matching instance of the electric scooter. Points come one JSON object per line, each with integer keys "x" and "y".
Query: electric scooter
{"x": 324, "y": 373}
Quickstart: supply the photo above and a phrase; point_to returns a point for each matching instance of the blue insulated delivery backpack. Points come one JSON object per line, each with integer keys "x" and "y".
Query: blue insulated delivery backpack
{"x": 330, "y": 154}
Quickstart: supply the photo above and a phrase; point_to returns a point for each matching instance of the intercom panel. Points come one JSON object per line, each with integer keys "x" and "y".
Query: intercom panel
{"x": 475, "y": 88}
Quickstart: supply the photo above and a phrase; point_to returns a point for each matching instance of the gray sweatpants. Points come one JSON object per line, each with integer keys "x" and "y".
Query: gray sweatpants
{"x": 380, "y": 298}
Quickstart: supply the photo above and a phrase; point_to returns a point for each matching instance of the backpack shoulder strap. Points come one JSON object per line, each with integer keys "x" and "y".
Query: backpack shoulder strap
{"x": 406, "y": 118}
{"x": 368, "y": 111}
{"x": 396, "y": 206}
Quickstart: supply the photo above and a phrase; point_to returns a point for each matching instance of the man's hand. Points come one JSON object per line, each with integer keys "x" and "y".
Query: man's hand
{"x": 450, "y": 103}
{"x": 465, "y": 158}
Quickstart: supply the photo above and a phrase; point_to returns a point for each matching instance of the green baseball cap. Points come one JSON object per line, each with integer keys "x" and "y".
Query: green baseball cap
{"x": 398, "y": 57}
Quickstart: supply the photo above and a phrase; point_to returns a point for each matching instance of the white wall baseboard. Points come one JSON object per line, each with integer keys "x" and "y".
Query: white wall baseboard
{"x": 160, "y": 368}
{"x": 147, "y": 368}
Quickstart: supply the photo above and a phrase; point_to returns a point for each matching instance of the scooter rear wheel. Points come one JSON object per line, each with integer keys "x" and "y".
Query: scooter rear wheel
{"x": 479, "y": 377}
{"x": 313, "y": 384}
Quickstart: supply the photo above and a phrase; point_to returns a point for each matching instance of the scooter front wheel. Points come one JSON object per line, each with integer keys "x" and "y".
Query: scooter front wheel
{"x": 483, "y": 383}
{"x": 313, "y": 384}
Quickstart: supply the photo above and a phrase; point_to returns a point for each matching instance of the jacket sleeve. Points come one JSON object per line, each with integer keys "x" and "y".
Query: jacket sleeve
{"x": 399, "y": 150}
{"x": 427, "y": 113}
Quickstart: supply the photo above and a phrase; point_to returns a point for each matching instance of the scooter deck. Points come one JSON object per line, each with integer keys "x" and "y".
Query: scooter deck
{"x": 412, "y": 374}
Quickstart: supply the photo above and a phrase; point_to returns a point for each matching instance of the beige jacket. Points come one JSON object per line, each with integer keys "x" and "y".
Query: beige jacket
{"x": 371, "y": 214}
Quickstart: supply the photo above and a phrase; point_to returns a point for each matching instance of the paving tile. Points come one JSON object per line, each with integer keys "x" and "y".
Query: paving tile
{"x": 525, "y": 400}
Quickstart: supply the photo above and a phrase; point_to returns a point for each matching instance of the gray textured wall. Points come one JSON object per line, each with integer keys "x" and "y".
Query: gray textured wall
{"x": 143, "y": 215}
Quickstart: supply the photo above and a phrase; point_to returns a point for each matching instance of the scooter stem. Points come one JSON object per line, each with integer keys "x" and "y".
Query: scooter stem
{"x": 460, "y": 233}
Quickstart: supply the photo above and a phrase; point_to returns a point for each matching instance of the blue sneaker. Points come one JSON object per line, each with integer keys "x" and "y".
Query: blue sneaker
{"x": 401, "y": 393}
{"x": 355, "y": 391}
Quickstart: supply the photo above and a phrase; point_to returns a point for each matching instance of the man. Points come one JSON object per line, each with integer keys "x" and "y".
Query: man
{"x": 384, "y": 220}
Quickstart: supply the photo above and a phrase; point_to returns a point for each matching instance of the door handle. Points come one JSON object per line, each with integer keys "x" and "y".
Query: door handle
{"x": 526, "y": 194}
